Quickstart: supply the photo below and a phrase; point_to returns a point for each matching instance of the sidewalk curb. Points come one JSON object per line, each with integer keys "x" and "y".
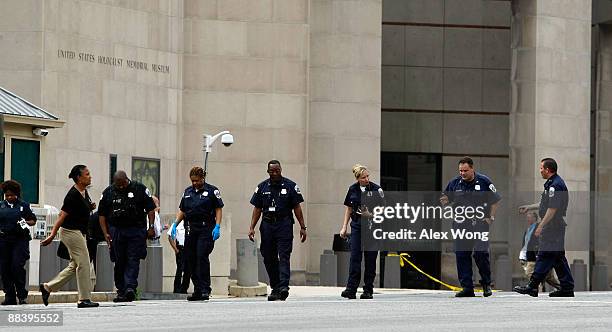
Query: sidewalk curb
{"x": 73, "y": 297}
{"x": 67, "y": 297}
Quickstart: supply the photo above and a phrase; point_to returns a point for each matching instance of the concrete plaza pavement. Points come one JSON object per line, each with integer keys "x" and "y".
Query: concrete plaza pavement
{"x": 322, "y": 308}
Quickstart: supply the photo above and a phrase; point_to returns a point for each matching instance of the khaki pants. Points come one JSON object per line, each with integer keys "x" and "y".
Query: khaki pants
{"x": 551, "y": 278}
{"x": 79, "y": 264}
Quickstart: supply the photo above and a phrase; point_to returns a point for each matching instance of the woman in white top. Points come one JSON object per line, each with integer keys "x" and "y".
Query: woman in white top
{"x": 178, "y": 243}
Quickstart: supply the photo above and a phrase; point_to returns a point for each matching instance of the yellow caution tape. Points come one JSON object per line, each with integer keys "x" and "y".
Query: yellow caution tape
{"x": 404, "y": 258}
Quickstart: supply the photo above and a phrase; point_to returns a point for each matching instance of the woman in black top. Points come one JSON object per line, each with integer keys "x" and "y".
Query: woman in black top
{"x": 73, "y": 220}
{"x": 15, "y": 219}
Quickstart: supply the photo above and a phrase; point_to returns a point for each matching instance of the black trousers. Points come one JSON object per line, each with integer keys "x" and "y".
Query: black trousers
{"x": 551, "y": 255}
{"x": 198, "y": 246}
{"x": 128, "y": 248}
{"x": 14, "y": 252}
{"x": 183, "y": 274}
{"x": 369, "y": 258}
{"x": 276, "y": 246}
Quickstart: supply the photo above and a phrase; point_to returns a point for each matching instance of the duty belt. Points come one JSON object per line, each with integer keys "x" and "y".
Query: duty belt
{"x": 122, "y": 225}
{"x": 13, "y": 233}
{"x": 275, "y": 217}
{"x": 193, "y": 223}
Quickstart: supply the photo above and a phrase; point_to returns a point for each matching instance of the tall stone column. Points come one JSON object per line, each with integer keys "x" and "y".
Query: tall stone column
{"x": 245, "y": 70}
{"x": 344, "y": 115}
{"x": 550, "y": 114}
{"x": 602, "y": 105}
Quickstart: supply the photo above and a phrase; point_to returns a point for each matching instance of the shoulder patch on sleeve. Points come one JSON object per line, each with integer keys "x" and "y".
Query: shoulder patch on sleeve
{"x": 381, "y": 193}
{"x": 297, "y": 189}
{"x": 492, "y": 187}
{"x": 551, "y": 192}
{"x": 256, "y": 189}
{"x": 217, "y": 193}
{"x": 148, "y": 192}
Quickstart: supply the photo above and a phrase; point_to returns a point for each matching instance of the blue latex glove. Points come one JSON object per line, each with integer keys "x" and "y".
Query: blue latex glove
{"x": 173, "y": 230}
{"x": 216, "y": 232}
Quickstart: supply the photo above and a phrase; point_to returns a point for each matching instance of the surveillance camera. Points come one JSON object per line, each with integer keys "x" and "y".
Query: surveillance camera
{"x": 40, "y": 132}
{"x": 227, "y": 139}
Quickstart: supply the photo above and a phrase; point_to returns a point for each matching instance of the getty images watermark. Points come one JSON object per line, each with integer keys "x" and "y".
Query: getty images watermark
{"x": 413, "y": 214}
{"x": 418, "y": 221}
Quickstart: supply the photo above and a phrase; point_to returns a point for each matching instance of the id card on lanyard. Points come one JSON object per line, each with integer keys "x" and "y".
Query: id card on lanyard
{"x": 272, "y": 208}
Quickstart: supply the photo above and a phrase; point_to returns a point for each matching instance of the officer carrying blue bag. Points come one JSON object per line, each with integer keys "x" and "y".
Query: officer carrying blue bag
{"x": 15, "y": 219}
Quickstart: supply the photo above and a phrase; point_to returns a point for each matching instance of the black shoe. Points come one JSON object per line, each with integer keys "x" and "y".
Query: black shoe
{"x": 197, "y": 297}
{"x": 120, "y": 298}
{"x": 9, "y": 302}
{"x": 561, "y": 293}
{"x": 87, "y": 304}
{"x": 349, "y": 294}
{"x": 274, "y": 296}
{"x": 466, "y": 292}
{"x": 283, "y": 293}
{"x": 44, "y": 294}
{"x": 526, "y": 290}
{"x": 130, "y": 295}
{"x": 23, "y": 301}
{"x": 366, "y": 296}
{"x": 486, "y": 290}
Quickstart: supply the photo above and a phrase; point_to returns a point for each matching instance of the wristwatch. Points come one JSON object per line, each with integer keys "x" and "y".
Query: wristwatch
{"x": 151, "y": 226}
{"x": 492, "y": 218}
{"x": 304, "y": 228}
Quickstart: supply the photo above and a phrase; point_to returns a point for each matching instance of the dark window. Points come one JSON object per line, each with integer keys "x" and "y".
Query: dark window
{"x": 112, "y": 169}
{"x": 2, "y": 161}
{"x": 403, "y": 171}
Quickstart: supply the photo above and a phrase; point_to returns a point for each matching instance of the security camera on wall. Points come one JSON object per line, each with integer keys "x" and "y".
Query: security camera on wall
{"x": 40, "y": 132}
{"x": 227, "y": 139}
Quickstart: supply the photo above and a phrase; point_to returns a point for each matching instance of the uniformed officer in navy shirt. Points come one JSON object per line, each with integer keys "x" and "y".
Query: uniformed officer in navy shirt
{"x": 277, "y": 199}
{"x": 471, "y": 189}
{"x": 126, "y": 205}
{"x": 358, "y": 211}
{"x": 15, "y": 219}
{"x": 201, "y": 209}
{"x": 551, "y": 231}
